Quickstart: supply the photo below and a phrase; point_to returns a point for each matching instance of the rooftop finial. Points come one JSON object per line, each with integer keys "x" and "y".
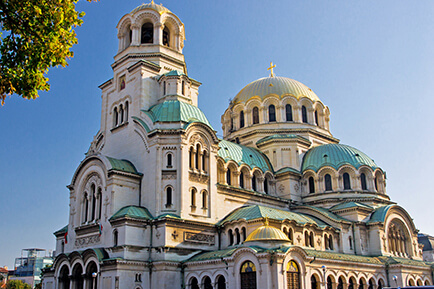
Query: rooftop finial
{"x": 271, "y": 69}
{"x": 152, "y": 1}
{"x": 266, "y": 221}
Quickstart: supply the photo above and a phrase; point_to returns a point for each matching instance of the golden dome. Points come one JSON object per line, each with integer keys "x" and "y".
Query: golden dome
{"x": 156, "y": 7}
{"x": 277, "y": 85}
{"x": 267, "y": 233}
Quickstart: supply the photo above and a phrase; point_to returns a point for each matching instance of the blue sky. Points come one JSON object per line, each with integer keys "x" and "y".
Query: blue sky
{"x": 371, "y": 62}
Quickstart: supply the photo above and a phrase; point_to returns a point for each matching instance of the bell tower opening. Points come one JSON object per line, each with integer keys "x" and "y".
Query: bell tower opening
{"x": 166, "y": 37}
{"x": 147, "y": 33}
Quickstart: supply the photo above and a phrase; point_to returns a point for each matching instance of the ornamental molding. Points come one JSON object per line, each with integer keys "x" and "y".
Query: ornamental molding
{"x": 86, "y": 241}
{"x": 199, "y": 238}
{"x": 198, "y": 178}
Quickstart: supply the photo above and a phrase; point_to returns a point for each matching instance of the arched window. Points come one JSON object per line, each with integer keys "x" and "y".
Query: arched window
{"x": 361, "y": 284}
{"x": 238, "y": 236}
{"x": 169, "y": 160}
{"x": 340, "y": 283}
{"x": 126, "y": 111}
{"x": 266, "y": 185}
{"x": 241, "y": 119}
{"x": 130, "y": 36}
{"x": 228, "y": 177}
{"x": 363, "y": 181}
{"x": 331, "y": 242}
{"x": 350, "y": 242}
{"x": 380, "y": 284}
{"x": 193, "y": 198}
{"x": 271, "y": 113}
{"x": 231, "y": 237}
{"x": 347, "y": 183}
{"x": 193, "y": 283}
{"x": 197, "y": 158}
{"x": 351, "y": 284}
{"x": 207, "y": 283}
{"x": 326, "y": 242}
{"x": 311, "y": 240}
{"x": 311, "y": 185}
{"x": 293, "y": 275}
{"x": 85, "y": 207}
{"x": 248, "y": 275}
{"x": 168, "y": 197}
{"x": 147, "y": 33}
{"x": 397, "y": 238}
{"x": 243, "y": 232}
{"x": 164, "y": 88}
{"x": 371, "y": 284}
{"x": 329, "y": 283}
{"x": 64, "y": 277}
{"x": 204, "y": 200}
{"x": 242, "y": 180}
{"x": 191, "y": 157}
{"x": 183, "y": 88}
{"x": 204, "y": 157}
{"x": 255, "y": 113}
{"x": 288, "y": 112}
{"x": 254, "y": 183}
{"x": 290, "y": 235}
{"x": 93, "y": 196}
{"x": 304, "y": 114}
{"x": 376, "y": 183}
{"x": 99, "y": 203}
{"x": 121, "y": 114}
{"x": 411, "y": 282}
{"x": 313, "y": 282}
{"x": 115, "y": 117}
{"x": 328, "y": 182}
{"x": 166, "y": 36}
{"x": 316, "y": 118}
{"x": 221, "y": 282}
{"x": 62, "y": 247}
{"x": 115, "y": 238}
{"x": 91, "y": 269}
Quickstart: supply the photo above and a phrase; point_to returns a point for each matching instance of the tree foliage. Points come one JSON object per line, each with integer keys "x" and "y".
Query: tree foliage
{"x": 17, "y": 284}
{"x": 34, "y": 36}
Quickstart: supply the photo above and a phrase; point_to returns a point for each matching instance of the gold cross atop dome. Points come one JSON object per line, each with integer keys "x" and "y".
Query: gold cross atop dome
{"x": 271, "y": 68}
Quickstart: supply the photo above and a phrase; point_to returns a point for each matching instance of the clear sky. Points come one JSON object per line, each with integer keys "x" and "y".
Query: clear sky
{"x": 371, "y": 62}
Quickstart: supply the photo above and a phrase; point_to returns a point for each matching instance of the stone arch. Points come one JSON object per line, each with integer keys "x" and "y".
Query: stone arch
{"x": 369, "y": 177}
{"x": 306, "y": 182}
{"x": 322, "y": 172}
{"x": 350, "y": 170}
{"x": 379, "y": 181}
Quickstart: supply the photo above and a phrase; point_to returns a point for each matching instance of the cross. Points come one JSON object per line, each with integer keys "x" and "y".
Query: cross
{"x": 175, "y": 235}
{"x": 271, "y": 68}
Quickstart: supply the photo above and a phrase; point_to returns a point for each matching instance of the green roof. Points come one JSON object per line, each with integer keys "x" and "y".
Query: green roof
{"x": 122, "y": 165}
{"x": 335, "y": 156}
{"x": 220, "y": 253}
{"x": 133, "y": 212}
{"x": 287, "y": 169}
{"x": 61, "y": 231}
{"x": 343, "y": 257}
{"x": 282, "y": 136}
{"x": 175, "y": 111}
{"x": 168, "y": 215}
{"x": 404, "y": 261}
{"x": 243, "y": 155}
{"x": 258, "y": 212}
{"x": 347, "y": 205}
{"x": 325, "y": 212}
{"x": 379, "y": 215}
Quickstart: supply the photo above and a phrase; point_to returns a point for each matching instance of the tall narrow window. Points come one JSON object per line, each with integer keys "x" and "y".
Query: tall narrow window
{"x": 243, "y": 232}
{"x": 242, "y": 180}
{"x": 197, "y": 158}
{"x": 254, "y": 183}
{"x": 255, "y": 114}
{"x": 316, "y": 118}
{"x": 193, "y": 198}
{"x": 329, "y": 283}
{"x": 164, "y": 88}
{"x": 376, "y": 183}
{"x": 350, "y": 242}
{"x": 351, "y": 284}
{"x": 93, "y": 197}
{"x": 86, "y": 207}
{"x": 194, "y": 284}
{"x": 130, "y": 37}
{"x": 191, "y": 158}
{"x": 168, "y": 197}
{"x": 115, "y": 117}
{"x": 363, "y": 181}
{"x": 347, "y": 183}
{"x": 271, "y": 113}
{"x": 99, "y": 203}
{"x": 183, "y": 88}
{"x": 331, "y": 242}
{"x": 121, "y": 114}
{"x": 166, "y": 37}
{"x": 147, "y": 33}
{"x": 288, "y": 112}
{"x": 169, "y": 160}
{"x": 290, "y": 235}
{"x": 340, "y": 283}
{"x": 313, "y": 282}
{"x": 204, "y": 157}
{"x": 311, "y": 185}
{"x": 306, "y": 238}
{"x": 326, "y": 242}
{"x": 231, "y": 237}
{"x": 248, "y": 275}
{"x": 241, "y": 119}
{"x": 115, "y": 238}
{"x": 266, "y": 186}
{"x": 126, "y": 111}
{"x": 228, "y": 177}
{"x": 328, "y": 182}
{"x": 304, "y": 114}
{"x": 238, "y": 236}
{"x": 311, "y": 240}
{"x": 204, "y": 200}
{"x": 361, "y": 284}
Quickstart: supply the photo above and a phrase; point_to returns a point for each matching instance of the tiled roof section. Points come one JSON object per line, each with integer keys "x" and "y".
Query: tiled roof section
{"x": 287, "y": 169}
{"x": 132, "y": 212}
{"x": 282, "y": 136}
{"x": 258, "y": 212}
{"x": 279, "y": 86}
{"x": 168, "y": 215}
{"x": 61, "y": 231}
{"x": 244, "y": 155}
{"x": 404, "y": 261}
{"x": 326, "y": 213}
{"x": 175, "y": 111}
{"x": 122, "y": 165}
{"x": 156, "y": 7}
{"x": 142, "y": 123}
{"x": 335, "y": 156}
{"x": 343, "y": 257}
{"x": 347, "y": 205}
{"x": 220, "y": 254}
{"x": 379, "y": 215}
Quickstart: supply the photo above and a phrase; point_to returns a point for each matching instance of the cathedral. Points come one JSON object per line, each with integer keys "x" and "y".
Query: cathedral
{"x": 161, "y": 202}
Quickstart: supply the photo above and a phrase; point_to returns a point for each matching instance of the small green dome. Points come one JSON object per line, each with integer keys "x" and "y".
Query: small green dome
{"x": 335, "y": 156}
{"x": 156, "y": 7}
{"x": 274, "y": 85}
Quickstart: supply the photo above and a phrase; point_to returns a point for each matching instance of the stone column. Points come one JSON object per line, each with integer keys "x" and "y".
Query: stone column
{"x": 135, "y": 39}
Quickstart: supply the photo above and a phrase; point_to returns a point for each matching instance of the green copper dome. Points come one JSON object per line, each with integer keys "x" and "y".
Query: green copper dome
{"x": 243, "y": 155}
{"x": 277, "y": 85}
{"x": 335, "y": 156}
{"x": 156, "y": 7}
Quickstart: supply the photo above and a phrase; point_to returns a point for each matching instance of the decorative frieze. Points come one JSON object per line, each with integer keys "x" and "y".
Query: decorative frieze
{"x": 198, "y": 178}
{"x": 200, "y": 238}
{"x": 86, "y": 241}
